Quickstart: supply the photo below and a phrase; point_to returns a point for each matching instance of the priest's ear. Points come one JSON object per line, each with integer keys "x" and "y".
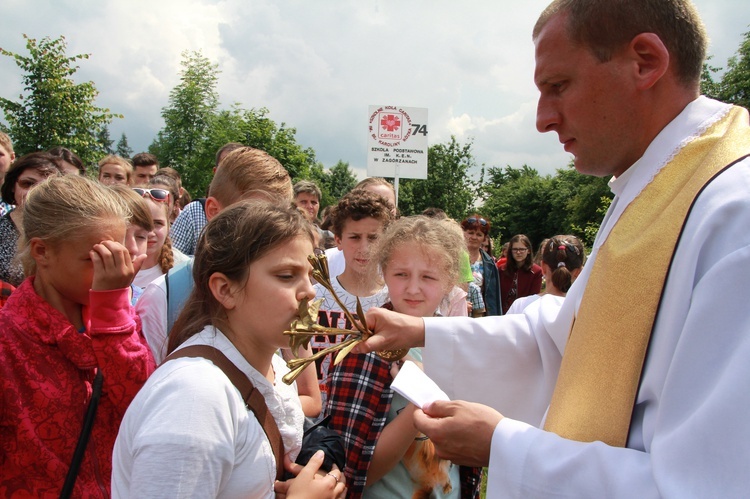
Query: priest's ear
{"x": 650, "y": 59}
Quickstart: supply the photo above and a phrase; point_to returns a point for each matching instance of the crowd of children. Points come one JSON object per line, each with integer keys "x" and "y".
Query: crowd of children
{"x": 95, "y": 296}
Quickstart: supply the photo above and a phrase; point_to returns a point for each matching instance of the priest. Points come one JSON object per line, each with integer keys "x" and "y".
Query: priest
{"x": 639, "y": 386}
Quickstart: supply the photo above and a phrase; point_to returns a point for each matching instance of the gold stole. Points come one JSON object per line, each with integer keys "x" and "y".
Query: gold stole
{"x": 603, "y": 360}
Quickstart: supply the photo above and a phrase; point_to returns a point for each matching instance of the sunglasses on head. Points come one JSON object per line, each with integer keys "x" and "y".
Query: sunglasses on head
{"x": 474, "y": 220}
{"x": 160, "y": 195}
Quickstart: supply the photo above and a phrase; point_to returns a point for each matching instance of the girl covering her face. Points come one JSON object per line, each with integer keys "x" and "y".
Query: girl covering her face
{"x": 67, "y": 324}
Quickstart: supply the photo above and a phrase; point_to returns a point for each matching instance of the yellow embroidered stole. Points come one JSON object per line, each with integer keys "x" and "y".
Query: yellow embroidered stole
{"x": 603, "y": 360}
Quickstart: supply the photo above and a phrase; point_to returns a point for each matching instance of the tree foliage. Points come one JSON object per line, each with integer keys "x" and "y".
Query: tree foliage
{"x": 54, "y": 110}
{"x": 734, "y": 85}
{"x": 520, "y": 201}
{"x": 188, "y": 116}
{"x": 123, "y": 148}
{"x": 448, "y": 184}
{"x": 253, "y": 127}
{"x": 195, "y": 128}
{"x": 709, "y": 87}
{"x": 335, "y": 182}
{"x": 582, "y": 199}
{"x": 105, "y": 141}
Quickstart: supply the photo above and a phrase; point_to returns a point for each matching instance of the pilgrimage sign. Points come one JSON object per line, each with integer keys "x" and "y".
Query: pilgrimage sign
{"x": 397, "y": 142}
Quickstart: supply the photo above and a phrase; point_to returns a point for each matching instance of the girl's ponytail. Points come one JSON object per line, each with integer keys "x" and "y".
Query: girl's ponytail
{"x": 563, "y": 254}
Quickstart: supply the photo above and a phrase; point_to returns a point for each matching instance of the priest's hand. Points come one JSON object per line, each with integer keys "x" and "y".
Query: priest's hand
{"x": 392, "y": 331}
{"x": 461, "y": 431}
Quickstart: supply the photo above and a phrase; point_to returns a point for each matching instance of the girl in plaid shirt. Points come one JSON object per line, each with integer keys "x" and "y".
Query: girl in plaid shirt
{"x": 386, "y": 455}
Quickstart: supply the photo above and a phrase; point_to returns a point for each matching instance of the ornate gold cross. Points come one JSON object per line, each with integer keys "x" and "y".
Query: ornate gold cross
{"x": 303, "y": 329}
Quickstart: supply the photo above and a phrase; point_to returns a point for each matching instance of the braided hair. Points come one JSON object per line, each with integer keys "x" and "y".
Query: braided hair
{"x": 166, "y": 257}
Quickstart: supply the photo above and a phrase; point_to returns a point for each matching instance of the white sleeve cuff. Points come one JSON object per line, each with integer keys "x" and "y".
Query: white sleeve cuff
{"x": 510, "y": 444}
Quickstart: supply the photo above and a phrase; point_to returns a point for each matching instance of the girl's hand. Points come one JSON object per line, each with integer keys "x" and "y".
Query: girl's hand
{"x": 113, "y": 268}
{"x": 311, "y": 481}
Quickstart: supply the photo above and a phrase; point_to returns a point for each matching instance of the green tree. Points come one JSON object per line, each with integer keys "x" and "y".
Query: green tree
{"x": 709, "y": 87}
{"x": 54, "y": 110}
{"x": 518, "y": 201}
{"x": 735, "y": 83}
{"x": 448, "y": 185}
{"x": 587, "y": 233}
{"x": 123, "y": 148}
{"x": 251, "y": 127}
{"x": 195, "y": 128}
{"x": 335, "y": 183}
{"x": 254, "y": 128}
{"x": 193, "y": 103}
{"x": 582, "y": 199}
{"x": 105, "y": 142}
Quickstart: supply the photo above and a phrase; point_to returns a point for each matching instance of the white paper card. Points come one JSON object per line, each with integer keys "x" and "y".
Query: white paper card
{"x": 415, "y": 386}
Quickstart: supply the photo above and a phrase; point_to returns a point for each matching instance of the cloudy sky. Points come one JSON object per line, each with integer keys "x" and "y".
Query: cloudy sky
{"x": 318, "y": 65}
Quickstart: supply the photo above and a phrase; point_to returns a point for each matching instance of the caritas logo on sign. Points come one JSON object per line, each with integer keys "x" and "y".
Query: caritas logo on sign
{"x": 390, "y": 126}
{"x": 397, "y": 142}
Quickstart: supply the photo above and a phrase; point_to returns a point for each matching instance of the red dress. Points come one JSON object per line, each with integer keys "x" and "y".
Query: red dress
{"x": 46, "y": 371}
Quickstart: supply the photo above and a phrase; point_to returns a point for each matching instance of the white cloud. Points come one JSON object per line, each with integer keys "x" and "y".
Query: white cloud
{"x": 318, "y": 65}
{"x": 460, "y": 125}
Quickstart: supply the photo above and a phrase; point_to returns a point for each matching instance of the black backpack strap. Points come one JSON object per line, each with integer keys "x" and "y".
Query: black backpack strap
{"x": 83, "y": 439}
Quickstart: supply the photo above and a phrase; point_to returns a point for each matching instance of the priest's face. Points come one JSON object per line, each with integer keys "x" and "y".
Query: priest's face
{"x": 589, "y": 103}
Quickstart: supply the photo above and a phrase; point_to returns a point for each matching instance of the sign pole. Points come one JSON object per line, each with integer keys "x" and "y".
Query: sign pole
{"x": 395, "y": 182}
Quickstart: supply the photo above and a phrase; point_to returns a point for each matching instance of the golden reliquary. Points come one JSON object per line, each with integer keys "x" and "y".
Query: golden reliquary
{"x": 303, "y": 329}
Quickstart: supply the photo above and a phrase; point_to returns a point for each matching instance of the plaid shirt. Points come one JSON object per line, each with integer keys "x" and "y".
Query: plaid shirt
{"x": 474, "y": 296}
{"x": 358, "y": 404}
{"x": 187, "y": 227}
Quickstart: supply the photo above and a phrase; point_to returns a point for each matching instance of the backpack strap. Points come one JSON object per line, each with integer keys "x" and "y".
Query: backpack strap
{"x": 83, "y": 438}
{"x": 179, "y": 283}
{"x": 254, "y": 400}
